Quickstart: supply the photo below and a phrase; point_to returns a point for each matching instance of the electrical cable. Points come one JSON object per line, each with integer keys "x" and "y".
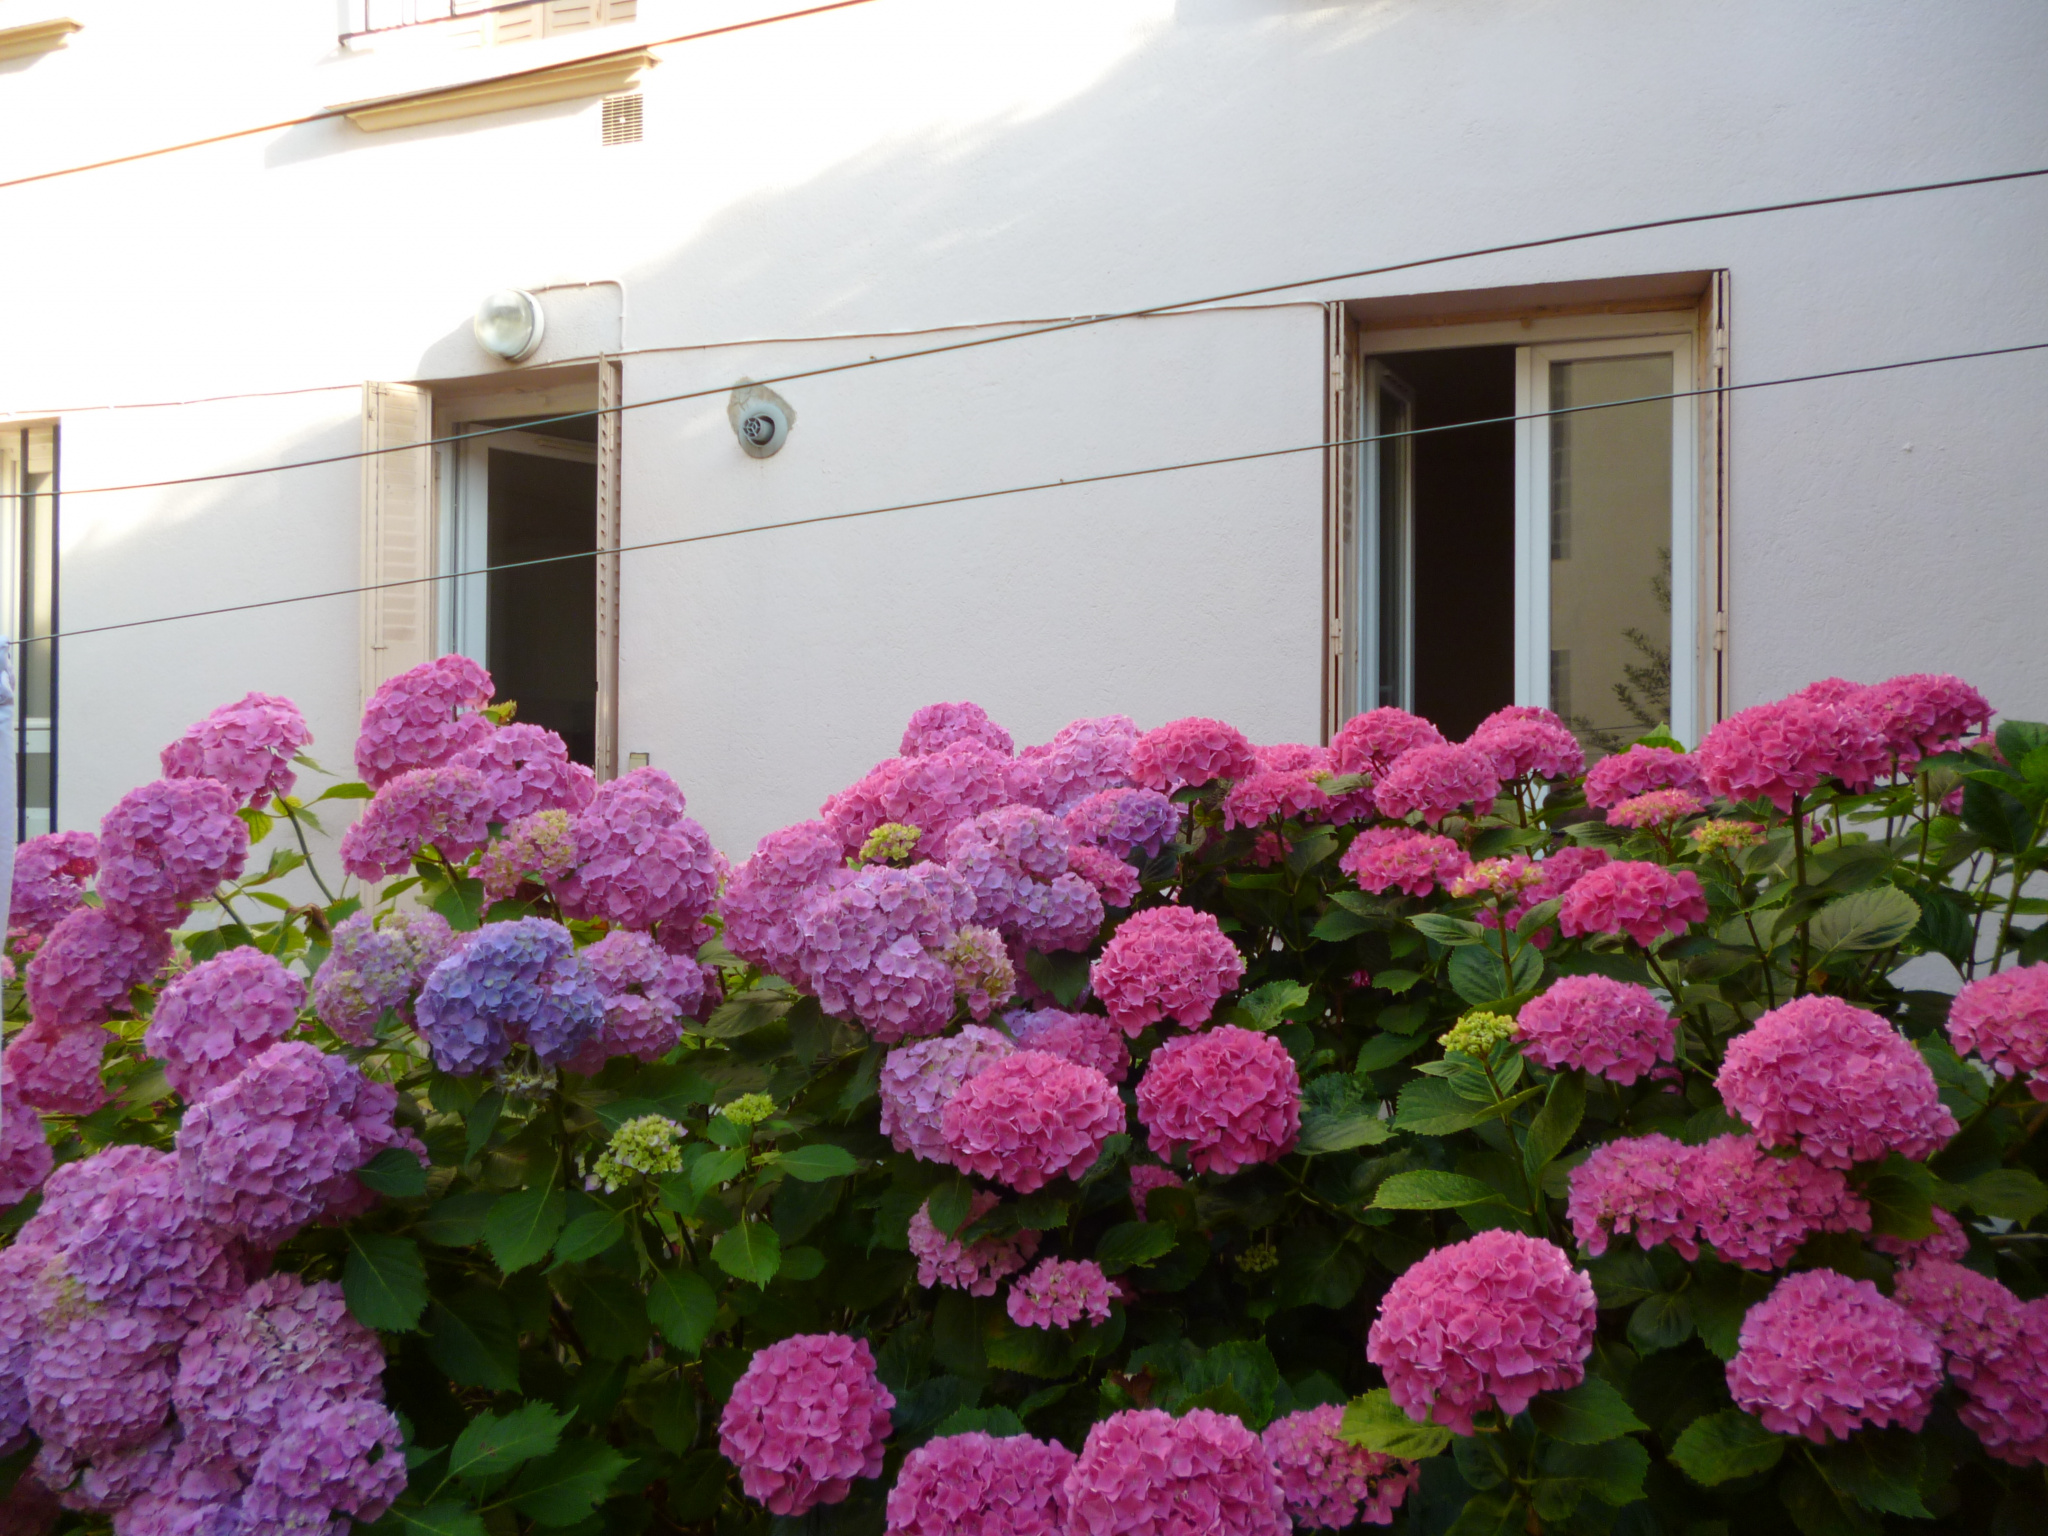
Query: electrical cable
{"x": 1018, "y": 490}
{"x": 1070, "y": 325}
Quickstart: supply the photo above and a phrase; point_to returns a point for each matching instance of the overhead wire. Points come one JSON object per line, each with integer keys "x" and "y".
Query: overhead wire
{"x": 1043, "y": 485}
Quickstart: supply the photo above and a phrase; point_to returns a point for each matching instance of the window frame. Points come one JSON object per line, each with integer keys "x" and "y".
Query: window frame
{"x": 15, "y": 602}
{"x": 466, "y": 529}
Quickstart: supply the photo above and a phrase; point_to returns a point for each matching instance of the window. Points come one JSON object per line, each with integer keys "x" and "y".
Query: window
{"x": 28, "y": 606}
{"x": 483, "y": 21}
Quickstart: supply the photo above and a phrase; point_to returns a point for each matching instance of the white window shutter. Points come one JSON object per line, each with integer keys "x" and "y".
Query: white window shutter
{"x": 398, "y": 532}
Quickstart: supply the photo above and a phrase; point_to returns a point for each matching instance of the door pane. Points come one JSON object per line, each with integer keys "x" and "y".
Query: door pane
{"x": 1610, "y": 548}
{"x": 543, "y": 618}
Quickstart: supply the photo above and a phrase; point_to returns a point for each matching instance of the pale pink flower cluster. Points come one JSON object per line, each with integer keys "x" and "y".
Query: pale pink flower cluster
{"x": 526, "y": 768}
{"x": 165, "y": 847}
{"x": 1029, "y": 1118}
{"x": 1637, "y": 1184}
{"x": 640, "y": 861}
{"x": 1437, "y": 782}
{"x": 1186, "y": 754}
{"x": 981, "y": 1485}
{"x": 1059, "y": 1293}
{"x": 1498, "y": 878}
{"x": 1143, "y": 1472}
{"x": 1014, "y": 860}
{"x": 1394, "y": 858}
{"x": 248, "y": 746}
{"x": 1370, "y": 743}
{"x": 1639, "y": 771}
{"x": 1285, "y": 794}
{"x": 1924, "y": 712}
{"x": 1146, "y": 1177}
{"x": 976, "y": 1267}
{"x": 938, "y": 726}
{"x": 1645, "y": 901}
{"x": 1996, "y": 1347}
{"x": 1948, "y": 1240}
{"x": 1085, "y": 758}
{"x": 1088, "y": 1039}
{"x": 807, "y": 1418}
{"x": 2002, "y": 1020}
{"x": 445, "y": 808}
{"x": 1755, "y": 1209}
{"x": 1658, "y": 808}
{"x": 539, "y": 847}
{"x": 1613, "y": 1029}
{"x": 1165, "y": 962}
{"x": 422, "y": 718}
{"x": 934, "y": 793}
{"x": 1486, "y": 1323}
{"x": 1780, "y": 751}
{"x": 1230, "y": 1096}
{"x": 216, "y": 1018}
{"x": 1837, "y": 1082}
{"x": 50, "y": 872}
{"x": 1328, "y": 1482}
{"x": 1537, "y": 745}
{"x": 1823, "y": 1356}
{"x": 1121, "y": 819}
{"x": 917, "y": 1082}
{"x": 647, "y": 993}
{"x": 1114, "y": 880}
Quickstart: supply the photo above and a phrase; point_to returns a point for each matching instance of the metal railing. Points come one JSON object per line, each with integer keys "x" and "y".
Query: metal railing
{"x": 367, "y": 17}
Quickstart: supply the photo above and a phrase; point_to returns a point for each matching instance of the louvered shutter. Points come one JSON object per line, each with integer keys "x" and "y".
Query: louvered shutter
{"x": 398, "y": 532}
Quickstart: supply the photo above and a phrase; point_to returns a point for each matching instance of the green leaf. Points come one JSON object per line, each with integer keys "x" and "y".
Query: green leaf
{"x": 1063, "y": 973}
{"x": 745, "y": 1013}
{"x": 384, "y": 1281}
{"x": 491, "y": 1446}
{"x": 817, "y": 1162}
{"x": 1588, "y": 1414}
{"x": 1317, "y": 1269}
{"x": 521, "y": 1227}
{"x": 1663, "y": 1321}
{"x": 1383, "y": 1051}
{"x": 1477, "y": 975}
{"x": 1000, "y": 1423}
{"x": 1337, "y": 925}
{"x": 458, "y": 1221}
{"x": 683, "y": 1307}
{"x": 482, "y": 1123}
{"x": 1432, "y": 1107}
{"x": 1726, "y": 1445}
{"x": 1874, "y": 919}
{"x": 1901, "y": 1195}
{"x": 461, "y": 901}
{"x": 1818, "y": 1507}
{"x": 802, "y": 1263}
{"x": 1247, "y": 1369}
{"x": 716, "y": 1168}
{"x": 567, "y": 1485}
{"x": 395, "y": 1172}
{"x": 2012, "y": 1193}
{"x": 950, "y": 1206}
{"x": 1428, "y": 1190}
{"x": 1375, "y": 1423}
{"x": 2002, "y": 820}
{"x": 1335, "y": 1116}
{"x": 1270, "y": 1006}
{"x": 1881, "y": 1469}
{"x": 1612, "y": 1470}
{"x": 1131, "y": 1243}
{"x": 1451, "y": 931}
{"x": 472, "y": 1338}
{"x": 750, "y": 1251}
{"x": 1555, "y": 1124}
{"x": 589, "y": 1235}
{"x": 443, "y": 1519}
{"x": 611, "y": 1318}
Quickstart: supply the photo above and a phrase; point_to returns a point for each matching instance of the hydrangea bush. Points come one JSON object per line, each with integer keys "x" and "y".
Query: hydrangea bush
{"x": 1146, "y": 1131}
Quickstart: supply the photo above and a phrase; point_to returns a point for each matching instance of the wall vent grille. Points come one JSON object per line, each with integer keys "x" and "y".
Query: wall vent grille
{"x": 622, "y": 119}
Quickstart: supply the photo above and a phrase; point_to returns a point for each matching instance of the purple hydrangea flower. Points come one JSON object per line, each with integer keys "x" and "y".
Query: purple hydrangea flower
{"x": 422, "y": 718}
{"x": 165, "y": 847}
{"x": 518, "y": 981}
{"x": 248, "y": 746}
{"x": 371, "y": 969}
{"x": 49, "y": 883}
{"x": 526, "y": 768}
{"x": 640, "y": 860}
{"x": 647, "y": 993}
{"x": 218, "y": 1016}
{"x": 1123, "y": 819}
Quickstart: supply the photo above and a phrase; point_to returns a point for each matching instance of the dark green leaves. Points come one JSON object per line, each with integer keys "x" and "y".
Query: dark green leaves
{"x": 567, "y": 1485}
{"x": 1874, "y": 919}
{"x": 1428, "y": 1190}
{"x": 1659, "y": 1322}
{"x": 1132, "y": 1243}
{"x": 683, "y": 1307}
{"x": 1270, "y": 1006}
{"x": 1555, "y": 1124}
{"x": 458, "y": 1221}
{"x": 384, "y": 1281}
{"x": 1430, "y": 1106}
{"x": 471, "y": 1336}
{"x": 1317, "y": 1269}
{"x": 1375, "y": 1423}
{"x": 1588, "y": 1414}
{"x": 950, "y": 1205}
{"x": 817, "y": 1162}
{"x": 611, "y": 1318}
{"x": 1335, "y": 1116}
{"x": 395, "y": 1172}
{"x": 1726, "y": 1445}
{"x": 750, "y": 1251}
{"x": 2012, "y": 1193}
{"x": 589, "y": 1235}
{"x": 1477, "y": 974}
{"x": 444, "y": 1519}
{"x": 521, "y": 1227}
{"x": 489, "y": 1447}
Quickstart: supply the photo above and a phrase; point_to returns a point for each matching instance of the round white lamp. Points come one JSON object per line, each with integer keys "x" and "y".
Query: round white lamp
{"x": 509, "y": 324}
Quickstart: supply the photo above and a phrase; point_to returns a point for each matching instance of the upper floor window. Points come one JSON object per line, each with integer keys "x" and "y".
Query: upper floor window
{"x": 483, "y": 22}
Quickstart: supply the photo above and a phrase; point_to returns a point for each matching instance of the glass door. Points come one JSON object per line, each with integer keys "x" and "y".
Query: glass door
{"x": 28, "y": 606}
{"x": 1385, "y": 581}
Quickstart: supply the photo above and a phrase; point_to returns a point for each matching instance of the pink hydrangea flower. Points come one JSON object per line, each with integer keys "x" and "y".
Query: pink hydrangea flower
{"x": 1085, "y": 758}
{"x": 248, "y": 746}
{"x": 1030, "y": 1118}
{"x": 98, "y": 1380}
{"x": 165, "y": 847}
{"x": 343, "y": 1457}
{"x": 1639, "y": 771}
{"x": 539, "y": 847}
{"x": 1328, "y": 1482}
{"x": 1086, "y": 1038}
{"x": 647, "y": 993}
{"x": 1657, "y": 808}
{"x": 1779, "y": 751}
{"x": 1997, "y": 1352}
{"x": 761, "y": 896}
{"x": 1613, "y": 1029}
{"x": 219, "y": 1016}
{"x": 50, "y": 872}
{"x": 1756, "y": 1209}
{"x": 933, "y": 793}
{"x": 372, "y": 969}
{"x": 1146, "y": 1177}
{"x": 1186, "y": 754}
{"x": 1144, "y": 1472}
{"x": 918, "y": 1081}
{"x": 1381, "y": 859}
{"x": 1295, "y": 757}
{"x": 938, "y": 726}
{"x": 25, "y": 1157}
{"x": 1369, "y": 743}
{"x": 447, "y": 808}
{"x": 1486, "y": 1323}
{"x": 1014, "y": 859}
{"x": 871, "y": 947}
{"x": 640, "y": 860}
{"x": 1838, "y": 1083}
{"x": 1114, "y": 880}
{"x": 56, "y": 1067}
{"x": 983, "y": 974}
{"x": 1645, "y": 901}
{"x": 1498, "y": 878}
{"x": 1948, "y": 1240}
{"x": 1287, "y": 794}
{"x": 1638, "y": 1185}
{"x": 1059, "y": 1293}
{"x": 980, "y": 1485}
{"x": 1437, "y": 781}
{"x": 1231, "y": 1096}
{"x": 1123, "y": 819}
{"x": 526, "y": 768}
{"x": 807, "y": 1418}
{"x": 1539, "y": 747}
{"x": 1824, "y": 1355}
{"x": 1165, "y": 962}
{"x": 86, "y": 968}
{"x": 422, "y": 718}
{"x": 2003, "y": 1021}
{"x": 1557, "y": 873}
{"x": 975, "y": 1267}
{"x": 1924, "y": 712}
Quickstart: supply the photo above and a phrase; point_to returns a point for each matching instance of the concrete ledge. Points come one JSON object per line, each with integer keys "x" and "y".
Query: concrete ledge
{"x": 601, "y": 75}
{"x": 37, "y": 37}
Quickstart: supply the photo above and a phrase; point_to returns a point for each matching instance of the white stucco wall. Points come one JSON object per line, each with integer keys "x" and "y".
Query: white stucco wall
{"x": 933, "y": 163}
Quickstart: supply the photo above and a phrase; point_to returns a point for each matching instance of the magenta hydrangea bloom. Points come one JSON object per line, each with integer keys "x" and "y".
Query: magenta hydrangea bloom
{"x": 1640, "y": 1185}
{"x": 526, "y": 768}
{"x": 86, "y": 968}
{"x": 1165, "y": 962}
{"x": 1645, "y": 901}
{"x": 446, "y": 808}
{"x": 248, "y": 746}
{"x": 1030, "y": 1118}
{"x": 1778, "y": 751}
{"x": 1437, "y": 781}
{"x": 520, "y": 981}
{"x": 165, "y": 847}
{"x": 872, "y": 947}
{"x": 372, "y": 969}
{"x": 50, "y": 872}
{"x": 1144, "y": 1472}
{"x": 1924, "y": 712}
{"x": 1059, "y": 1293}
{"x": 2003, "y": 1021}
{"x": 1146, "y": 1177}
{"x": 1274, "y": 793}
{"x": 1613, "y": 1029}
{"x": 1186, "y": 754}
{"x": 1838, "y": 1083}
{"x": 918, "y": 1081}
{"x": 647, "y": 994}
{"x": 761, "y": 896}
{"x": 1486, "y": 1323}
{"x": 981, "y": 1485}
{"x": 98, "y": 1380}
{"x": 1536, "y": 747}
{"x": 1756, "y": 1209}
{"x": 974, "y": 1267}
{"x": 1121, "y": 820}
{"x": 219, "y": 1016}
{"x": 278, "y": 1146}
{"x": 422, "y": 718}
{"x": 540, "y": 847}
{"x": 1657, "y": 808}
{"x": 1328, "y": 1482}
{"x": 640, "y": 860}
{"x": 1114, "y": 880}
{"x": 938, "y": 726}
{"x": 344, "y": 1457}
{"x": 807, "y": 1418}
{"x": 1086, "y": 1038}
{"x": 1014, "y": 860}
{"x": 56, "y": 1067}
{"x": 1948, "y": 1240}
{"x": 933, "y": 793}
{"x": 1295, "y": 757}
{"x": 1997, "y": 1352}
{"x": 1824, "y": 1355}
{"x": 1382, "y": 859}
{"x": 1369, "y": 743}
{"x": 1086, "y": 757}
{"x": 1230, "y": 1096}
{"x": 1638, "y": 771}
{"x": 25, "y": 1156}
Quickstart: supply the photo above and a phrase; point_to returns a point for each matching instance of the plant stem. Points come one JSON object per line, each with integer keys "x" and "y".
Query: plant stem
{"x": 1770, "y": 986}
{"x": 299, "y": 831}
{"x": 1799, "y": 881}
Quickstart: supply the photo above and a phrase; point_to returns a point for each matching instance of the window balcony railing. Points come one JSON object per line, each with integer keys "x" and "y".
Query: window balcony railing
{"x": 496, "y": 21}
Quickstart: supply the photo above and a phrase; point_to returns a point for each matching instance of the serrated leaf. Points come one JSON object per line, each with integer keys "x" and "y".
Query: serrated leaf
{"x": 395, "y": 1172}
{"x": 950, "y": 1206}
{"x": 442, "y": 1519}
{"x": 2012, "y": 1193}
{"x": 716, "y": 1168}
{"x": 998, "y": 1423}
{"x": 1611, "y": 1470}
{"x": 1720, "y": 1447}
{"x": 1477, "y": 974}
{"x": 1337, "y": 925}
{"x": 1432, "y": 1107}
{"x": 1818, "y": 1507}
{"x": 521, "y": 1227}
{"x": 567, "y": 1485}
{"x": 742, "y": 1015}
{"x": 384, "y": 1281}
{"x": 490, "y": 1446}
{"x": 817, "y": 1162}
{"x": 589, "y": 1235}
{"x": 1335, "y": 1116}
{"x": 683, "y": 1307}
{"x": 1132, "y": 1243}
{"x": 1062, "y": 973}
{"x": 1317, "y": 1269}
{"x": 750, "y": 1251}
{"x": 472, "y": 1338}
{"x": 1269, "y": 1006}
{"x": 1374, "y": 1422}
{"x": 481, "y": 1124}
{"x": 1428, "y": 1190}
{"x": 1663, "y": 1321}
{"x": 1452, "y": 931}
{"x": 1874, "y": 919}
{"x": 1383, "y": 1051}
{"x": 458, "y": 1221}
{"x": 1881, "y": 1469}
{"x": 1591, "y": 1412}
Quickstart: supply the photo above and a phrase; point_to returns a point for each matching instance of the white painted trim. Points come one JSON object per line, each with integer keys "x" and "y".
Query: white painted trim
{"x": 1537, "y": 331}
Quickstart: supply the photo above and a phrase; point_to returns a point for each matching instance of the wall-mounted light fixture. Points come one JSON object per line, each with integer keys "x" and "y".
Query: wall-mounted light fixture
{"x": 509, "y": 324}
